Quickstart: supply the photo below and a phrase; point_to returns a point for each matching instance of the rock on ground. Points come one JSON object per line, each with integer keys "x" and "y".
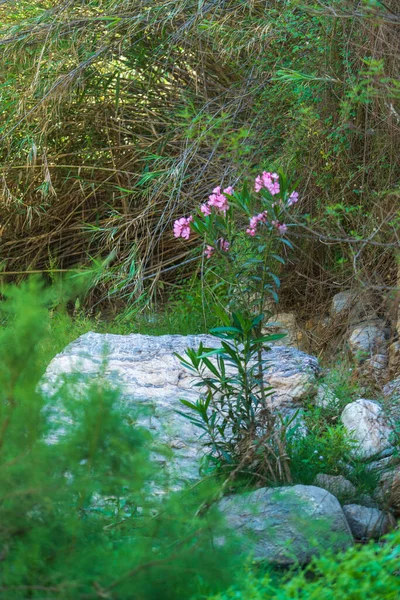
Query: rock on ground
{"x": 285, "y": 323}
{"x": 286, "y": 525}
{"x": 366, "y": 523}
{"x": 387, "y": 492}
{"x": 150, "y": 376}
{"x": 392, "y": 390}
{"x": 368, "y": 339}
{"x": 366, "y": 423}
{"x": 394, "y": 357}
{"x": 326, "y": 397}
{"x": 335, "y": 484}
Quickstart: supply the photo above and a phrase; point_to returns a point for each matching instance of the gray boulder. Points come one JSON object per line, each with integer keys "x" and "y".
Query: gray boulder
{"x": 391, "y": 394}
{"x": 342, "y": 303}
{"x": 392, "y": 390}
{"x": 366, "y": 523}
{"x": 326, "y": 397}
{"x": 150, "y": 377}
{"x": 286, "y": 525}
{"x": 335, "y": 484}
{"x": 387, "y": 492}
{"x": 368, "y": 339}
{"x": 394, "y": 357}
{"x": 366, "y": 423}
{"x": 284, "y": 323}
{"x": 350, "y": 307}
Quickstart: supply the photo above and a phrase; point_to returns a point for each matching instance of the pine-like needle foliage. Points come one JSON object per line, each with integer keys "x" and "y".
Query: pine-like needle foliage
{"x": 79, "y": 518}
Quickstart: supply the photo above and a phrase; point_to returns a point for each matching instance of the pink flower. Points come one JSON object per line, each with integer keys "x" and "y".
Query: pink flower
{"x": 229, "y": 190}
{"x": 266, "y": 178}
{"x": 293, "y": 198}
{"x": 258, "y": 184}
{"x": 253, "y": 222}
{"x": 218, "y": 200}
{"x": 274, "y": 188}
{"x": 205, "y": 209}
{"x": 182, "y": 227}
{"x": 223, "y": 245}
{"x": 260, "y": 218}
{"x": 282, "y": 228}
{"x": 268, "y": 181}
{"x": 209, "y": 251}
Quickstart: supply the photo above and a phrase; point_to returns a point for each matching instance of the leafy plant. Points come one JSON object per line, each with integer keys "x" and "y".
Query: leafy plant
{"x": 233, "y": 412}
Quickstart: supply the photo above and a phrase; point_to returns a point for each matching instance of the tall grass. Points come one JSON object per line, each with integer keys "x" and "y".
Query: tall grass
{"x": 119, "y": 115}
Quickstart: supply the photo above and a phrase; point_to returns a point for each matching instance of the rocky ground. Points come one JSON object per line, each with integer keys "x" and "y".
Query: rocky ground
{"x": 281, "y": 524}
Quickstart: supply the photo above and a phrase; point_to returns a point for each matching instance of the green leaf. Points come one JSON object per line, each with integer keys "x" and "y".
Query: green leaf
{"x": 278, "y": 258}
{"x": 190, "y": 405}
{"x": 216, "y": 330}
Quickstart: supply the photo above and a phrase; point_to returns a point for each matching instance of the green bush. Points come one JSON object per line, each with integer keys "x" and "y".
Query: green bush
{"x": 80, "y": 516}
{"x": 367, "y": 573}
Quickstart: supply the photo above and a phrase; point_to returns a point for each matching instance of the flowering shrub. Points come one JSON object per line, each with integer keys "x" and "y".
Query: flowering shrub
{"x": 261, "y": 216}
{"x": 234, "y": 414}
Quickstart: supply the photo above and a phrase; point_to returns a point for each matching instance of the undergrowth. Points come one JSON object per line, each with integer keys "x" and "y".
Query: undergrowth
{"x": 369, "y": 572}
{"x": 79, "y": 518}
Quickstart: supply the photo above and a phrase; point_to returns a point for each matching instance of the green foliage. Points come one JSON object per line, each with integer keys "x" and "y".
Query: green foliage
{"x": 233, "y": 415}
{"x": 238, "y": 424}
{"x": 116, "y": 115}
{"x": 363, "y": 573}
{"x": 79, "y": 516}
{"x": 326, "y": 449}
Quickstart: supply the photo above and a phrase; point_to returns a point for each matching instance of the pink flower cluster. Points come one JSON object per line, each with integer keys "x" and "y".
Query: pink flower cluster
{"x": 281, "y": 227}
{"x": 182, "y": 227}
{"x": 293, "y": 198}
{"x": 269, "y": 181}
{"x": 254, "y": 221}
{"x": 218, "y": 200}
{"x": 222, "y": 244}
{"x": 209, "y": 251}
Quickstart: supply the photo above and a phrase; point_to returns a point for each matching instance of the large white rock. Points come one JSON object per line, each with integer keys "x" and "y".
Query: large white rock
{"x": 367, "y": 425}
{"x": 286, "y": 525}
{"x": 148, "y": 375}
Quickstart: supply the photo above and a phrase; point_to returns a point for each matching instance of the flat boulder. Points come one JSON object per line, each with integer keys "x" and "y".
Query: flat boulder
{"x": 366, "y": 523}
{"x": 287, "y": 525}
{"x": 149, "y": 376}
{"x": 335, "y": 484}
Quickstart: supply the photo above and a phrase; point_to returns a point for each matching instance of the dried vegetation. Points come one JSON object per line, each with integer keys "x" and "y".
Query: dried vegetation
{"x": 116, "y": 116}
